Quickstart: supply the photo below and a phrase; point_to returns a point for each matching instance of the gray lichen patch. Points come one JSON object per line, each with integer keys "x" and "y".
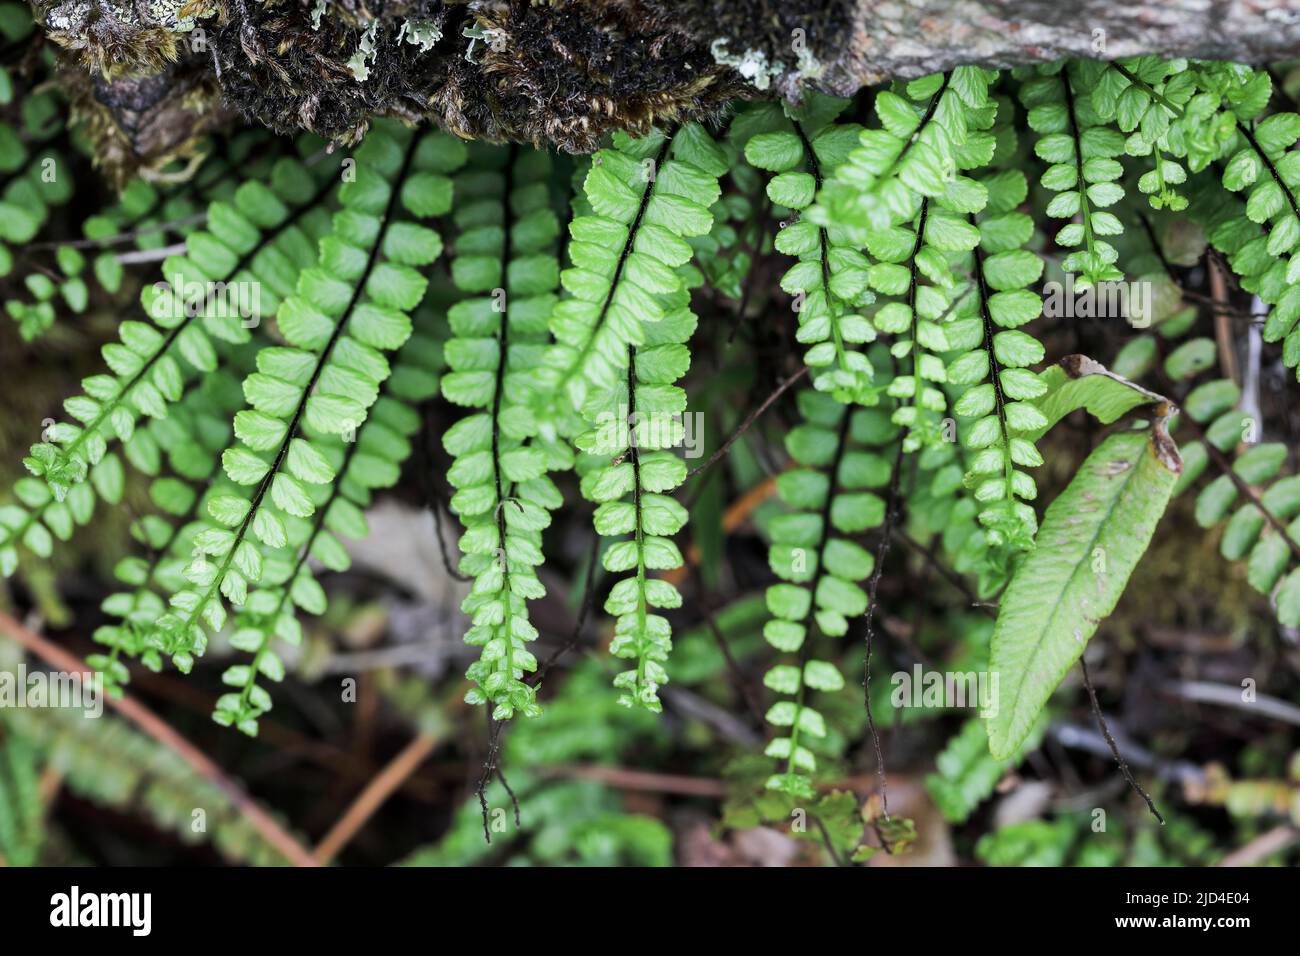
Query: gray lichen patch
{"x": 360, "y": 61}
{"x": 752, "y": 64}
{"x": 166, "y": 13}
{"x": 422, "y": 33}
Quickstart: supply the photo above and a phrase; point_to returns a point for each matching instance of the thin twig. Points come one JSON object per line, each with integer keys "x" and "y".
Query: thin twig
{"x": 1226, "y": 695}
{"x": 1114, "y": 748}
{"x": 1171, "y": 271}
{"x": 642, "y": 780}
{"x": 588, "y": 589}
{"x": 376, "y": 792}
{"x": 197, "y": 219}
{"x": 514, "y": 801}
{"x": 721, "y": 720}
{"x": 1272, "y": 841}
{"x": 496, "y": 731}
{"x": 1223, "y": 335}
{"x": 153, "y": 725}
{"x": 830, "y": 844}
{"x": 435, "y": 507}
{"x": 399, "y": 655}
{"x": 737, "y": 675}
{"x": 434, "y": 495}
{"x": 949, "y": 575}
{"x": 151, "y": 255}
{"x": 749, "y": 420}
{"x": 1079, "y": 737}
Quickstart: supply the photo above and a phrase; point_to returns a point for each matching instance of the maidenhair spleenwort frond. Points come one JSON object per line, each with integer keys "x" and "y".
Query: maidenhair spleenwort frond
{"x": 189, "y": 444}
{"x": 928, "y": 247}
{"x": 940, "y": 514}
{"x": 831, "y": 500}
{"x": 238, "y": 249}
{"x": 1151, "y": 99}
{"x": 634, "y": 419}
{"x": 194, "y": 434}
{"x": 915, "y": 323}
{"x": 323, "y": 381}
{"x": 636, "y": 425}
{"x": 830, "y": 279}
{"x": 1159, "y": 104}
{"x": 647, "y": 197}
{"x": 1264, "y": 527}
{"x": 1083, "y": 172}
{"x": 993, "y": 368}
{"x": 1248, "y": 246}
{"x": 1217, "y": 121}
{"x": 1264, "y": 166}
{"x": 37, "y": 518}
{"x": 370, "y": 460}
{"x": 143, "y": 217}
{"x": 503, "y": 494}
{"x": 912, "y": 156}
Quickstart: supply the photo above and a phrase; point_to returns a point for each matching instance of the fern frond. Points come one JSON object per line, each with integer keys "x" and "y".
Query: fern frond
{"x": 930, "y": 247}
{"x": 1268, "y": 170}
{"x": 840, "y": 461}
{"x": 636, "y": 426}
{"x": 503, "y": 496}
{"x": 915, "y": 153}
{"x": 830, "y": 281}
{"x": 37, "y": 518}
{"x": 144, "y": 217}
{"x": 370, "y": 460}
{"x": 648, "y": 196}
{"x": 1083, "y": 172}
{"x": 966, "y": 774}
{"x": 630, "y": 404}
{"x": 993, "y": 367}
{"x": 241, "y": 245}
{"x": 1263, "y": 529}
{"x": 194, "y": 435}
{"x": 347, "y": 309}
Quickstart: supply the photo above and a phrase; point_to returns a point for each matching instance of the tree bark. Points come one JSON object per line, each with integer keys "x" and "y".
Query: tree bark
{"x": 909, "y": 38}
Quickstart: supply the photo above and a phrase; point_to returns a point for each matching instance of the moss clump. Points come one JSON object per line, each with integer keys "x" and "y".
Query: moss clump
{"x": 568, "y": 72}
{"x": 556, "y": 72}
